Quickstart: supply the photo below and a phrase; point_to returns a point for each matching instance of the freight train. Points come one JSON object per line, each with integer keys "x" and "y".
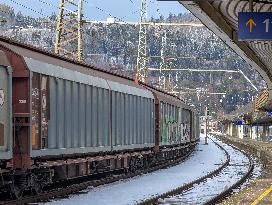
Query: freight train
{"x": 61, "y": 119}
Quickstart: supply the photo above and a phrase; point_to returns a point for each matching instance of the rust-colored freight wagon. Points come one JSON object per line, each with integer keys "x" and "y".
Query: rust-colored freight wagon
{"x": 5, "y": 109}
{"x": 173, "y": 120}
{"x": 195, "y": 127}
{"x": 72, "y": 120}
{"x": 69, "y": 107}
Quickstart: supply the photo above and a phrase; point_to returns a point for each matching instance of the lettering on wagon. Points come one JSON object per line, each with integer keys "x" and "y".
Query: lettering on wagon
{"x": 22, "y": 101}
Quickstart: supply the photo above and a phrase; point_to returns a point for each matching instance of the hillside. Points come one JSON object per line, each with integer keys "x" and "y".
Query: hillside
{"x": 114, "y": 47}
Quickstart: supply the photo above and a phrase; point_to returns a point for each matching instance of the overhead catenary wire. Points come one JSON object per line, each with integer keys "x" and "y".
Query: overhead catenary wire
{"x": 248, "y": 80}
{"x": 134, "y": 12}
{"x": 26, "y": 7}
{"x": 207, "y": 70}
{"x": 52, "y": 5}
{"x": 102, "y": 10}
{"x": 93, "y": 5}
{"x": 149, "y": 23}
{"x": 168, "y": 57}
{"x": 40, "y": 13}
{"x": 196, "y": 92}
{"x": 196, "y": 70}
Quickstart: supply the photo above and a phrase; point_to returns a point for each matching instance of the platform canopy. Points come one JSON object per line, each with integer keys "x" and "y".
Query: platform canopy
{"x": 221, "y": 16}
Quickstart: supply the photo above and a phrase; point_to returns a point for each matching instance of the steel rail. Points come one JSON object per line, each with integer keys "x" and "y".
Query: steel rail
{"x": 221, "y": 196}
{"x": 185, "y": 187}
{"x": 73, "y": 188}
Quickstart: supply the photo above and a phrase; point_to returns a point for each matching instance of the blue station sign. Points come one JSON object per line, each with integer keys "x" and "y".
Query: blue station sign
{"x": 238, "y": 122}
{"x": 255, "y": 26}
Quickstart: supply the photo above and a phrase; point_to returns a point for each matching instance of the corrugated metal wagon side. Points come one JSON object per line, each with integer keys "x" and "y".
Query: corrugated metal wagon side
{"x": 196, "y": 127}
{"x": 75, "y": 113}
{"x": 173, "y": 118}
{"x": 5, "y": 109}
{"x": 133, "y": 123}
{"x": 187, "y": 121}
{"x": 70, "y": 111}
{"x": 72, "y": 120}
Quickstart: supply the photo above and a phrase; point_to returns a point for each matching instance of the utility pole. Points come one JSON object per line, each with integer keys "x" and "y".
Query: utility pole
{"x": 206, "y": 124}
{"x": 69, "y": 29}
{"x": 162, "y": 79}
{"x": 141, "y": 73}
{"x": 163, "y": 83}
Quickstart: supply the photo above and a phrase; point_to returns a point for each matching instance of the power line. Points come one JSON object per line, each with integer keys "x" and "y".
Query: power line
{"x": 22, "y": 5}
{"x": 168, "y": 57}
{"x": 52, "y": 5}
{"x": 195, "y": 70}
{"x": 147, "y": 23}
{"x": 102, "y": 10}
{"x": 134, "y": 12}
{"x": 206, "y": 70}
{"x": 158, "y": 10}
{"x": 98, "y": 8}
{"x": 189, "y": 92}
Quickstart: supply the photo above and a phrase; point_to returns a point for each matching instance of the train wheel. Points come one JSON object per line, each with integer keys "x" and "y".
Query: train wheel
{"x": 16, "y": 191}
{"x": 36, "y": 186}
{"x": 132, "y": 164}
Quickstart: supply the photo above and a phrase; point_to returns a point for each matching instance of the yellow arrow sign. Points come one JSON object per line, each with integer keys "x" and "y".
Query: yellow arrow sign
{"x": 251, "y": 23}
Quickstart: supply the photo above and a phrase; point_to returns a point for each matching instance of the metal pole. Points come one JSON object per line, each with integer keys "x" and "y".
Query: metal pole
{"x": 206, "y": 125}
{"x": 141, "y": 73}
{"x": 79, "y": 27}
{"x": 163, "y": 63}
{"x": 69, "y": 30}
{"x": 251, "y": 5}
{"x": 59, "y": 27}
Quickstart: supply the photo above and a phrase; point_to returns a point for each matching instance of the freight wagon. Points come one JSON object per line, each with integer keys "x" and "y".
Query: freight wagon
{"x": 61, "y": 119}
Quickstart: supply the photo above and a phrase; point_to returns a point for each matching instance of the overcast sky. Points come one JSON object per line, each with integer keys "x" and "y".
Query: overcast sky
{"x": 99, "y": 9}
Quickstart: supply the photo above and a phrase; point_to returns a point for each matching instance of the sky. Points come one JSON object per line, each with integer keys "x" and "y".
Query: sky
{"x": 99, "y": 9}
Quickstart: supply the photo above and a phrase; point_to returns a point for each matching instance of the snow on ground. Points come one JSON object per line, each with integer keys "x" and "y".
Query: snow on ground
{"x": 211, "y": 187}
{"x": 205, "y": 159}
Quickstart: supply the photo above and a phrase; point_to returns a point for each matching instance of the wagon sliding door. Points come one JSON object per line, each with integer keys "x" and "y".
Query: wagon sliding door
{"x": 5, "y": 113}
{"x": 40, "y": 115}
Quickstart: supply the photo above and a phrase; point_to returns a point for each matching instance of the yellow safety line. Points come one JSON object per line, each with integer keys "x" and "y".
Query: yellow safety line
{"x": 262, "y": 196}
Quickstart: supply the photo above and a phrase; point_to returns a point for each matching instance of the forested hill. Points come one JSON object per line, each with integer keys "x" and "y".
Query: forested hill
{"x": 115, "y": 47}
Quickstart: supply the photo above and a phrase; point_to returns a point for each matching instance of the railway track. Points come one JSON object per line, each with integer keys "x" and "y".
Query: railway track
{"x": 71, "y": 188}
{"x": 220, "y": 197}
{"x": 179, "y": 194}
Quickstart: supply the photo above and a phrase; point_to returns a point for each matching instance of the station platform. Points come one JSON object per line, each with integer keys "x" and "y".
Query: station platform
{"x": 260, "y": 190}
